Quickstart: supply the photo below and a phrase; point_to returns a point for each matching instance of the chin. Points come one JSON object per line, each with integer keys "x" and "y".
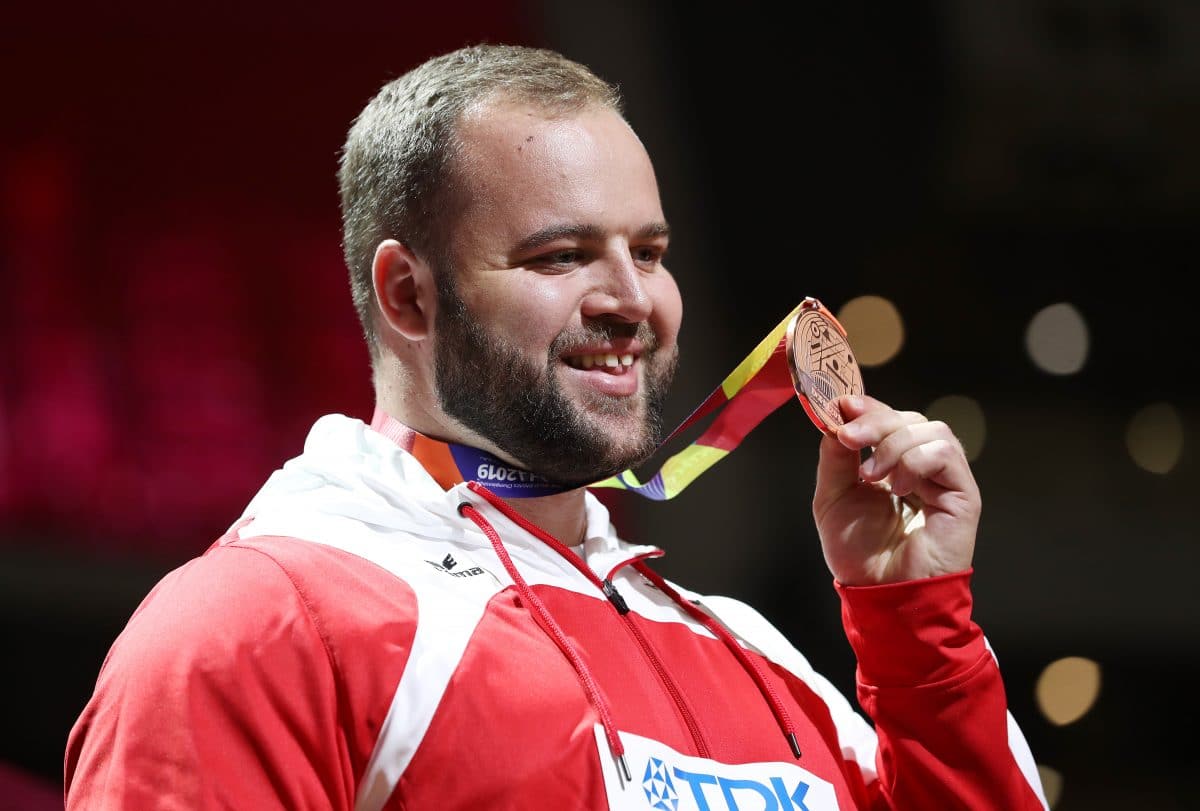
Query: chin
{"x": 608, "y": 409}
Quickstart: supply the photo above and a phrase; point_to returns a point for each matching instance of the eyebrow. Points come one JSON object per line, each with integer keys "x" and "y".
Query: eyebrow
{"x": 593, "y": 233}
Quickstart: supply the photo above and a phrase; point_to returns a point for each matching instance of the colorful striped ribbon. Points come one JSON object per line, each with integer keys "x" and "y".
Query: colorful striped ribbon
{"x": 760, "y": 384}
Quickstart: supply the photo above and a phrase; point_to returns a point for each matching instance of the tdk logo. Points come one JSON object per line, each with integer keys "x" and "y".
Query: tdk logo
{"x": 660, "y": 791}
{"x": 666, "y": 787}
{"x": 489, "y": 472}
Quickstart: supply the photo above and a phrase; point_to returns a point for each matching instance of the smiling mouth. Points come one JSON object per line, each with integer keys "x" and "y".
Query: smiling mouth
{"x": 603, "y": 361}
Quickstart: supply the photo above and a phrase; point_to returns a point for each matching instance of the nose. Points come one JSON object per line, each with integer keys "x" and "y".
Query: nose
{"x": 619, "y": 291}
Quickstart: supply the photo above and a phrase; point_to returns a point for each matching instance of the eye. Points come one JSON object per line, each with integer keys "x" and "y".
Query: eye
{"x": 649, "y": 254}
{"x": 560, "y": 261}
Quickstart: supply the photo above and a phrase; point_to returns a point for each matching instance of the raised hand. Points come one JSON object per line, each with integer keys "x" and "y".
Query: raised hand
{"x": 911, "y": 510}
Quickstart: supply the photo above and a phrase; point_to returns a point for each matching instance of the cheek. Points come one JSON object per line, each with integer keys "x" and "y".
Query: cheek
{"x": 535, "y": 314}
{"x": 668, "y": 309}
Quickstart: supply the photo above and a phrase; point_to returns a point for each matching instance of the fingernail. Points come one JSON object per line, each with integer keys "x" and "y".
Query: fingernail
{"x": 867, "y": 468}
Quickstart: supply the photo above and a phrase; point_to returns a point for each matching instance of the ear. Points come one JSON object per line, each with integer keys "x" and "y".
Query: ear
{"x": 404, "y": 289}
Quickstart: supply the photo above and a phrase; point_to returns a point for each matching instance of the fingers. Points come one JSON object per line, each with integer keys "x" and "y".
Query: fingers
{"x": 840, "y": 456}
{"x": 913, "y": 454}
{"x": 868, "y": 421}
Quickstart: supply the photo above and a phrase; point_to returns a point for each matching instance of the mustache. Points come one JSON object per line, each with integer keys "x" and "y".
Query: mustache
{"x": 570, "y": 340}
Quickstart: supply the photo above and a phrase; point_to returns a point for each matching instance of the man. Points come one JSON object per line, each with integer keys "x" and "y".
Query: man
{"x": 377, "y": 633}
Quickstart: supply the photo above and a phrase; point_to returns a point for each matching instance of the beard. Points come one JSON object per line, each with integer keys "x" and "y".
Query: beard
{"x": 490, "y": 387}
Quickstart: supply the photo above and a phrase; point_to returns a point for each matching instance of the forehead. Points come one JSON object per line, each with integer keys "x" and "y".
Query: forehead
{"x": 523, "y": 167}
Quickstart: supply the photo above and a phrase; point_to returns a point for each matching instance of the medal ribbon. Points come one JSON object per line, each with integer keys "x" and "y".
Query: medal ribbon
{"x": 450, "y": 463}
{"x": 761, "y": 383}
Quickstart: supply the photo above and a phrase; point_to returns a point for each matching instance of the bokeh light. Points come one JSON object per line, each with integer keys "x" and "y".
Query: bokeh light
{"x": 1154, "y": 437}
{"x": 965, "y": 417}
{"x": 1067, "y": 689}
{"x": 874, "y": 327}
{"x": 1052, "y": 784}
{"x": 1057, "y": 339}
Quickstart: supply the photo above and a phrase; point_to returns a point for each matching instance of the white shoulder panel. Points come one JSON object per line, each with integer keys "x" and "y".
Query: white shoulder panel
{"x": 450, "y": 604}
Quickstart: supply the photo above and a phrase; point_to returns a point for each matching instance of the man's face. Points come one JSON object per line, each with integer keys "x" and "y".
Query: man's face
{"x": 556, "y": 326}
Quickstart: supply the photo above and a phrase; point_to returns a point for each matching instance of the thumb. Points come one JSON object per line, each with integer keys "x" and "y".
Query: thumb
{"x": 837, "y": 472}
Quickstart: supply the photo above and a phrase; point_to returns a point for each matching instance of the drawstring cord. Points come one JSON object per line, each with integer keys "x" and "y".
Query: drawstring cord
{"x": 751, "y": 667}
{"x": 595, "y": 696}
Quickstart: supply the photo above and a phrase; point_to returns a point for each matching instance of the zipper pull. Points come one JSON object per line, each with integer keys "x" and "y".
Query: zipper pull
{"x": 614, "y": 597}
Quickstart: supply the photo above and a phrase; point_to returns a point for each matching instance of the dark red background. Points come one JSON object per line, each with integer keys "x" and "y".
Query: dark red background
{"x": 174, "y": 303}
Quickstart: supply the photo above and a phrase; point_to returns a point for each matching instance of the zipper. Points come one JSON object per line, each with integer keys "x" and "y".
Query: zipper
{"x": 609, "y": 590}
{"x": 618, "y": 602}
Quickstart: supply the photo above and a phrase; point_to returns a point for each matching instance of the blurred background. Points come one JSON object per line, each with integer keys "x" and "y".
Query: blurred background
{"x": 999, "y": 200}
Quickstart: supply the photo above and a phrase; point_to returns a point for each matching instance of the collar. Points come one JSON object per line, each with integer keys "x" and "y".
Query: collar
{"x": 439, "y": 461}
{"x": 433, "y": 455}
{"x": 353, "y": 479}
{"x": 451, "y": 463}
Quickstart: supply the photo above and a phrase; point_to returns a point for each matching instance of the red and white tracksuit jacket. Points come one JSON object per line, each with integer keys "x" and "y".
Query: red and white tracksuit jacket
{"x": 365, "y": 639}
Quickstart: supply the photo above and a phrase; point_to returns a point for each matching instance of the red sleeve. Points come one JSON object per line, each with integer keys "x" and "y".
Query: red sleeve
{"x": 928, "y": 681}
{"x": 219, "y": 693}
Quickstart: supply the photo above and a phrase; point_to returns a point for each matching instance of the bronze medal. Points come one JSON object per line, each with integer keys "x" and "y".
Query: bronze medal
{"x": 822, "y": 365}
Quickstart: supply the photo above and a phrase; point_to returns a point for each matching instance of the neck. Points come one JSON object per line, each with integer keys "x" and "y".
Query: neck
{"x": 403, "y": 398}
{"x": 563, "y": 515}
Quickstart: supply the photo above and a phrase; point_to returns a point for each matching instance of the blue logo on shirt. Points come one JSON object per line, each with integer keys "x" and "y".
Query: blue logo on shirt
{"x": 712, "y": 792}
{"x": 660, "y": 791}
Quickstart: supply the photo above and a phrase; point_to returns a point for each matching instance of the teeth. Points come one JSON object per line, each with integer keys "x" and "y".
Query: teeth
{"x": 605, "y": 359}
